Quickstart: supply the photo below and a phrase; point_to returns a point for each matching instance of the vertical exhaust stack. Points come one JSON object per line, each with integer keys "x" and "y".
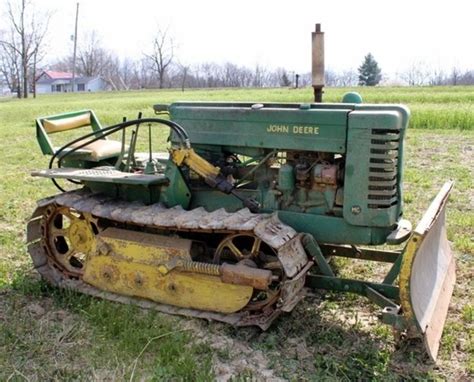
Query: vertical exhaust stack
{"x": 317, "y": 38}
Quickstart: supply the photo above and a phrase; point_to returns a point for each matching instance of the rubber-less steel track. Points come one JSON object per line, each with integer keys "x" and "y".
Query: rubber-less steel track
{"x": 284, "y": 241}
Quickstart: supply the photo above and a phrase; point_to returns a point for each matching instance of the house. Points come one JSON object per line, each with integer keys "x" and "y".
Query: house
{"x": 56, "y": 82}
{"x": 4, "y": 89}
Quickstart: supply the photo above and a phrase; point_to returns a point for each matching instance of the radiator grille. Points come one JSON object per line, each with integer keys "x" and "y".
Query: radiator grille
{"x": 383, "y": 168}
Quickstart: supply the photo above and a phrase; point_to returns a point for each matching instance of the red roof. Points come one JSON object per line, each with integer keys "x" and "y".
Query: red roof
{"x": 57, "y": 75}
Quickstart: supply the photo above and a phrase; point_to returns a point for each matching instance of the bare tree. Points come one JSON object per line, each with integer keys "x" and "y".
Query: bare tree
{"x": 306, "y": 79}
{"x": 28, "y": 28}
{"x": 211, "y": 73}
{"x": 348, "y": 78}
{"x": 10, "y": 66}
{"x": 259, "y": 76}
{"x": 183, "y": 71}
{"x": 93, "y": 58}
{"x": 330, "y": 77}
{"x": 162, "y": 55}
{"x": 467, "y": 78}
{"x": 415, "y": 74}
{"x": 437, "y": 77}
{"x": 455, "y": 76}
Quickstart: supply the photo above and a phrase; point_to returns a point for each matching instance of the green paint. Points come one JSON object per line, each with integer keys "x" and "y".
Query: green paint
{"x": 282, "y": 126}
{"x": 353, "y": 286}
{"x": 177, "y": 191}
{"x": 355, "y": 132}
{"x": 312, "y": 247}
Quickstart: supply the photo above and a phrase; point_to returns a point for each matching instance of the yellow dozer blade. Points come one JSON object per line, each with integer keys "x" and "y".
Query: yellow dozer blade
{"x": 427, "y": 274}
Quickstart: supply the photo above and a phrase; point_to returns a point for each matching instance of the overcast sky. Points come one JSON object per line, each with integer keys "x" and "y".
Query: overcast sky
{"x": 276, "y": 33}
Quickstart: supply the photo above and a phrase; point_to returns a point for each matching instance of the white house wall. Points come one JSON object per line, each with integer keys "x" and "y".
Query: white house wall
{"x": 43, "y": 88}
{"x": 95, "y": 85}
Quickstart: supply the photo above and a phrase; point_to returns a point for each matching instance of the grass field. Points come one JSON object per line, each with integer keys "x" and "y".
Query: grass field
{"x": 47, "y": 334}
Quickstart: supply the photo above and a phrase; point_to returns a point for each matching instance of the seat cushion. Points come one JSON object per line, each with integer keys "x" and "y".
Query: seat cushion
{"x": 101, "y": 149}
{"x": 62, "y": 124}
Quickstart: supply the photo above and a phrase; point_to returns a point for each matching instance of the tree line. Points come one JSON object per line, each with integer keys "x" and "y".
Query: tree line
{"x": 159, "y": 68}
{"x": 23, "y": 50}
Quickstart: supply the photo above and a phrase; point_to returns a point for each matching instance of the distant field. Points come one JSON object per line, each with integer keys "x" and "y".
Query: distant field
{"x": 432, "y": 107}
{"x": 46, "y": 334}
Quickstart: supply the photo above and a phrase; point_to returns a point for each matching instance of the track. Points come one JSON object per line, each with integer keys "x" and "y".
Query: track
{"x": 63, "y": 268}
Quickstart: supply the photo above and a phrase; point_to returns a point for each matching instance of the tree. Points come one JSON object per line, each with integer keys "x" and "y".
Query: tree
{"x": 348, "y": 78}
{"x": 455, "y": 76}
{"x": 437, "y": 77}
{"x": 369, "y": 72}
{"x": 330, "y": 77}
{"x": 10, "y": 66}
{"x": 284, "y": 80}
{"x": 416, "y": 74}
{"x": 162, "y": 55}
{"x": 93, "y": 58}
{"x": 259, "y": 75}
{"x": 22, "y": 45}
{"x": 183, "y": 70}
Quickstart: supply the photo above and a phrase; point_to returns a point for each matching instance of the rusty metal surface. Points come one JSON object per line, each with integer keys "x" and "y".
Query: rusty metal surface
{"x": 213, "y": 220}
{"x": 33, "y": 230}
{"x": 242, "y": 275}
{"x": 38, "y": 254}
{"x": 292, "y": 256}
{"x": 190, "y": 219}
{"x": 266, "y": 227}
{"x": 273, "y": 232}
{"x": 292, "y": 288}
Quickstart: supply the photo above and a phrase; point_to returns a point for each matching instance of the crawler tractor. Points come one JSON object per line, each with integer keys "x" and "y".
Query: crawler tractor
{"x": 243, "y": 214}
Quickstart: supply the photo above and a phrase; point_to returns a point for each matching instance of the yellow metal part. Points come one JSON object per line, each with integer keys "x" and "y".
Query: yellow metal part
{"x": 81, "y": 236}
{"x": 194, "y": 162}
{"x": 143, "y": 247}
{"x": 183, "y": 289}
{"x": 405, "y": 273}
{"x": 70, "y": 238}
{"x": 134, "y": 264}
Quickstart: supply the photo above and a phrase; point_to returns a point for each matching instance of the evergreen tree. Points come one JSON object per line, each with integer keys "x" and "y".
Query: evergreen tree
{"x": 284, "y": 80}
{"x": 369, "y": 72}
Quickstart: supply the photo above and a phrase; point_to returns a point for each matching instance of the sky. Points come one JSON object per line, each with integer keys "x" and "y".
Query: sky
{"x": 436, "y": 34}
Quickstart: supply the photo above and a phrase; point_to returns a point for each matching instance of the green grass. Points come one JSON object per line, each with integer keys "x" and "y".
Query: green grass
{"x": 47, "y": 334}
{"x": 70, "y": 336}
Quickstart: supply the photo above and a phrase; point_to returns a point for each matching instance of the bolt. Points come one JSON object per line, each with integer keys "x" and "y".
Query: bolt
{"x": 356, "y": 210}
{"x": 104, "y": 249}
{"x": 138, "y": 280}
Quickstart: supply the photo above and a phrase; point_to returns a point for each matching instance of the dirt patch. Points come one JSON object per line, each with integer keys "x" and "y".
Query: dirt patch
{"x": 232, "y": 357}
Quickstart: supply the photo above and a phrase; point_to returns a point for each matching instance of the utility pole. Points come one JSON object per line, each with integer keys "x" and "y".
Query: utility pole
{"x": 75, "y": 48}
